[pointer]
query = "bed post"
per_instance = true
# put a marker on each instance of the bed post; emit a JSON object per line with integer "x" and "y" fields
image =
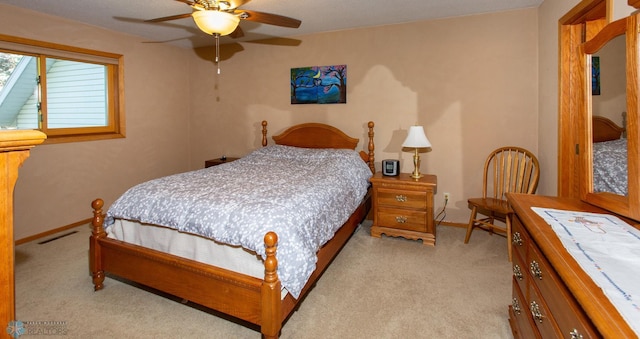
{"x": 97, "y": 232}
{"x": 371, "y": 148}
{"x": 264, "y": 133}
{"x": 271, "y": 303}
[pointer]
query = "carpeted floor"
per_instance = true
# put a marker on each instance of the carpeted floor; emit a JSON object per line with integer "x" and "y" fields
{"x": 376, "y": 288}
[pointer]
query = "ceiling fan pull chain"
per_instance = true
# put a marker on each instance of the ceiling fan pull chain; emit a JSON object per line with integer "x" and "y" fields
{"x": 217, "y": 51}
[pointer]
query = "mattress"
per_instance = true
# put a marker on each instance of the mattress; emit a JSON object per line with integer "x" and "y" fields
{"x": 189, "y": 246}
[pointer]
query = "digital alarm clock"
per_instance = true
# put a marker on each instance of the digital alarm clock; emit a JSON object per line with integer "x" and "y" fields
{"x": 390, "y": 167}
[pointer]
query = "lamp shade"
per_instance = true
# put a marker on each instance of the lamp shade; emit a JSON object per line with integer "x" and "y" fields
{"x": 212, "y": 21}
{"x": 416, "y": 138}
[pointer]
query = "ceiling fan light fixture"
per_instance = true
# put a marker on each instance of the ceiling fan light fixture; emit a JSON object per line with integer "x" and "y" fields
{"x": 216, "y": 22}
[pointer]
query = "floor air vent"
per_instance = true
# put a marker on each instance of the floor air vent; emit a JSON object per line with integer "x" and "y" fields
{"x": 56, "y": 238}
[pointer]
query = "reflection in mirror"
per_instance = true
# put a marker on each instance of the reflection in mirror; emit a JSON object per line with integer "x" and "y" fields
{"x": 609, "y": 105}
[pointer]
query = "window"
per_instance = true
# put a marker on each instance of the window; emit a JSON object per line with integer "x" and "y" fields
{"x": 69, "y": 93}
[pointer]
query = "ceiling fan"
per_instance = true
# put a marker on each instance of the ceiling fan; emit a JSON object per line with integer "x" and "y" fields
{"x": 222, "y": 17}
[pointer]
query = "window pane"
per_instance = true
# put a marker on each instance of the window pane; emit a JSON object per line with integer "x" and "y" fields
{"x": 76, "y": 94}
{"x": 18, "y": 91}
{"x": 69, "y": 93}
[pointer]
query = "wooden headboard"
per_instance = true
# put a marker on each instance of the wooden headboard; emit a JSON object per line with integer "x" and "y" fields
{"x": 317, "y": 135}
{"x": 604, "y": 129}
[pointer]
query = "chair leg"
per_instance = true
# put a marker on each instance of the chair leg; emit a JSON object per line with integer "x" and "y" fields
{"x": 474, "y": 213}
{"x": 509, "y": 245}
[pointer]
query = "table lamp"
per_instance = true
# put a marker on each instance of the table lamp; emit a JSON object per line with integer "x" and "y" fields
{"x": 416, "y": 139}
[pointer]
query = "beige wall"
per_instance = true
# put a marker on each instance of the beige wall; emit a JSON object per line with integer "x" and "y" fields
{"x": 58, "y": 182}
{"x": 472, "y": 82}
{"x": 612, "y": 100}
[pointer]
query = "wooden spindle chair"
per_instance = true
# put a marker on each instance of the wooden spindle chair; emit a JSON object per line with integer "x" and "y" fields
{"x": 506, "y": 170}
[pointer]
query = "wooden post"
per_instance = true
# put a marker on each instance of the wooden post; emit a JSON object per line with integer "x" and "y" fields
{"x": 271, "y": 303}
{"x": 97, "y": 232}
{"x": 264, "y": 133}
{"x": 371, "y": 148}
{"x": 14, "y": 150}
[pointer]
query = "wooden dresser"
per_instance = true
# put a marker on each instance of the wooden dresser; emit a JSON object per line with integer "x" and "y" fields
{"x": 552, "y": 296}
{"x": 403, "y": 207}
{"x": 14, "y": 150}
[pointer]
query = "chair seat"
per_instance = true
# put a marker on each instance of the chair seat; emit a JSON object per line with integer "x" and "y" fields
{"x": 498, "y": 206}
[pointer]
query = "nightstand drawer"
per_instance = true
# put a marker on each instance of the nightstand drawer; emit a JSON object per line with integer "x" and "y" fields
{"x": 404, "y": 199}
{"x": 402, "y": 219}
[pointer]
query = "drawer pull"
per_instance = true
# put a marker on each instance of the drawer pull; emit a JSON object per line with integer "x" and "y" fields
{"x": 516, "y": 239}
{"x": 575, "y": 334}
{"x": 517, "y": 272}
{"x": 535, "y": 311}
{"x": 534, "y": 267}
{"x": 401, "y": 220}
{"x": 401, "y": 198}
{"x": 516, "y": 306}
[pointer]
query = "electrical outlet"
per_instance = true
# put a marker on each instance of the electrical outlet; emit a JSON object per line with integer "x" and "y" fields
{"x": 446, "y": 196}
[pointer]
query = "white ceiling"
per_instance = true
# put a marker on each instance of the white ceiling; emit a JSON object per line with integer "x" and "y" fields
{"x": 317, "y": 16}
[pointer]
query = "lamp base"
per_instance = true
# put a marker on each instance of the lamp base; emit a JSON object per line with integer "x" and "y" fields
{"x": 416, "y": 166}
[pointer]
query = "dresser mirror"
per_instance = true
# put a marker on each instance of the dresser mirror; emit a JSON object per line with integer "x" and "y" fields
{"x": 609, "y": 166}
{"x": 612, "y": 183}
{"x": 585, "y": 33}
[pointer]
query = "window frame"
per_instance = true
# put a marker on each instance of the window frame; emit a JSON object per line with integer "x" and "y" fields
{"x": 114, "y": 64}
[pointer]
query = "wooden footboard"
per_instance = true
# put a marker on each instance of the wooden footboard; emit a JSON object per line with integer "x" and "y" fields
{"x": 244, "y": 297}
{"x": 250, "y": 299}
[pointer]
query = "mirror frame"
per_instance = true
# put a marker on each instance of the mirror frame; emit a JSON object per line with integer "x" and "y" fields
{"x": 583, "y": 31}
{"x": 615, "y": 203}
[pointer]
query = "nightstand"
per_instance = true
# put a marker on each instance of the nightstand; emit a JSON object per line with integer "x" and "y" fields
{"x": 403, "y": 207}
{"x": 218, "y": 161}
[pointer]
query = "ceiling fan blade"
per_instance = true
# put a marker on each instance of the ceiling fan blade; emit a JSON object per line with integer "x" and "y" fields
{"x": 268, "y": 18}
{"x": 238, "y": 33}
{"x": 168, "y": 18}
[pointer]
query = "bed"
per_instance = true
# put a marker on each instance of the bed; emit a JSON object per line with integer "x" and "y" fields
{"x": 609, "y": 156}
{"x": 262, "y": 300}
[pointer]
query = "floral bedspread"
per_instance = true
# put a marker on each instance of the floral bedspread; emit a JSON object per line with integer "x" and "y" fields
{"x": 304, "y": 195}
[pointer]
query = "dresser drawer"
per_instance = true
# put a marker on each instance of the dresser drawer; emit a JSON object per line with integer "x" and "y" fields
{"x": 403, "y": 199}
{"x": 519, "y": 268}
{"x": 568, "y": 315}
{"x": 402, "y": 219}
{"x": 519, "y": 238}
{"x": 541, "y": 314}
{"x": 520, "y": 317}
